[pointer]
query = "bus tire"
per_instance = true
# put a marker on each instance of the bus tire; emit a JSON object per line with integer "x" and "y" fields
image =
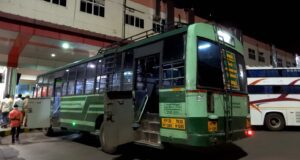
{"x": 98, "y": 121}
{"x": 105, "y": 146}
{"x": 274, "y": 122}
{"x": 48, "y": 131}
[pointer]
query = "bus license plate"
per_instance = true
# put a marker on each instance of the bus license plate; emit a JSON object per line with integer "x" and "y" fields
{"x": 176, "y": 123}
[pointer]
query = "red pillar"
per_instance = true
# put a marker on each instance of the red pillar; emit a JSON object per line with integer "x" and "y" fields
{"x": 21, "y": 41}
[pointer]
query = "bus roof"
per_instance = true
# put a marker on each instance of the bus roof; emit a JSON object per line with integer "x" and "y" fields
{"x": 133, "y": 44}
{"x": 122, "y": 48}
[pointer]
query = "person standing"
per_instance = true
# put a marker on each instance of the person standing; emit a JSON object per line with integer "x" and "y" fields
{"x": 15, "y": 117}
{"x": 5, "y": 108}
{"x": 19, "y": 101}
{"x": 25, "y": 110}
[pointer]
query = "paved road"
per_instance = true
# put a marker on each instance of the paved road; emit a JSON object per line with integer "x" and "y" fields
{"x": 263, "y": 146}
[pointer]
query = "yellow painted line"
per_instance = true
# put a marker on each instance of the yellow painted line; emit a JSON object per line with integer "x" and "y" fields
{"x": 26, "y": 130}
{"x": 7, "y": 132}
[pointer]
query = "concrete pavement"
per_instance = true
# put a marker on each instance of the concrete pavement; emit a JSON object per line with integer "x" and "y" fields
{"x": 36, "y": 146}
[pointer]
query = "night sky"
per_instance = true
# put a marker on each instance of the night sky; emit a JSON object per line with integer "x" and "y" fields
{"x": 274, "y": 23}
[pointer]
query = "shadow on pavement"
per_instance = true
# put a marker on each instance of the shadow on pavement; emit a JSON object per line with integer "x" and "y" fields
{"x": 87, "y": 139}
{"x": 225, "y": 152}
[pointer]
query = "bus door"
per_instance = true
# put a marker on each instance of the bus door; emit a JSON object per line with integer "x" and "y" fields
{"x": 116, "y": 128}
{"x": 231, "y": 84}
{"x": 227, "y": 115}
{"x": 146, "y": 86}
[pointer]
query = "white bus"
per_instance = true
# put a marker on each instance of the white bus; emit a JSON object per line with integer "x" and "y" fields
{"x": 274, "y": 97}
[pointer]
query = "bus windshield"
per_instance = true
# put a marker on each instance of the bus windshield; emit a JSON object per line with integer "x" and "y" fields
{"x": 209, "y": 69}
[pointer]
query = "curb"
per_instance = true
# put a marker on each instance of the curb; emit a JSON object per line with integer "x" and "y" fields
{"x": 7, "y": 132}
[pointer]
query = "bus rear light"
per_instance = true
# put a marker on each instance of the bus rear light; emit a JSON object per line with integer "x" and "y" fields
{"x": 249, "y": 132}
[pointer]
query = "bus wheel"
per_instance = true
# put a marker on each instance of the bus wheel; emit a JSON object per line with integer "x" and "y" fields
{"x": 104, "y": 140}
{"x": 274, "y": 122}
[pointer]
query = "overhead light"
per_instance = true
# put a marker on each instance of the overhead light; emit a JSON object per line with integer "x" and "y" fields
{"x": 53, "y": 54}
{"x": 65, "y": 45}
{"x": 67, "y": 70}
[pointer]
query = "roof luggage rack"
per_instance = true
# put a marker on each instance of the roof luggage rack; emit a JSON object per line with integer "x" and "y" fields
{"x": 140, "y": 36}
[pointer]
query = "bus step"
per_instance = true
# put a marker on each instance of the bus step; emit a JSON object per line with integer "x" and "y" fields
{"x": 152, "y": 116}
{"x": 150, "y": 136}
{"x": 150, "y": 132}
{"x": 150, "y": 125}
{"x": 150, "y": 144}
{"x": 154, "y": 122}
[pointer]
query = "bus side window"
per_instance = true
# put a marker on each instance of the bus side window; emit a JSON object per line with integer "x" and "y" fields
{"x": 114, "y": 81}
{"x": 127, "y": 71}
{"x": 65, "y": 82}
{"x": 44, "y": 87}
{"x": 278, "y": 89}
{"x": 173, "y": 75}
{"x": 39, "y": 87}
{"x": 50, "y": 86}
{"x": 71, "y": 81}
{"x": 90, "y": 77}
{"x": 80, "y": 79}
{"x": 101, "y": 76}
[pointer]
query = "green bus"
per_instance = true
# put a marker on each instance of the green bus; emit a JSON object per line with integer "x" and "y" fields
{"x": 186, "y": 86}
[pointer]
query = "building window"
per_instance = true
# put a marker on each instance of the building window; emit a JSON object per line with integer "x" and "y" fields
{"x": 134, "y": 21}
{"x": 261, "y": 57}
{"x": 159, "y": 26}
{"x": 58, "y": 2}
{"x": 95, "y": 7}
{"x": 279, "y": 62}
{"x": 251, "y": 53}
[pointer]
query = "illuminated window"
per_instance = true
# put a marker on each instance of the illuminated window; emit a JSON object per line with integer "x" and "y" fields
{"x": 95, "y": 7}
